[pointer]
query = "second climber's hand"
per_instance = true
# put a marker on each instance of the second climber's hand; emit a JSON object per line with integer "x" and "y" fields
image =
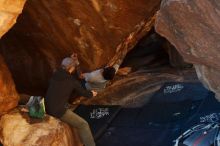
{"x": 94, "y": 93}
{"x": 73, "y": 55}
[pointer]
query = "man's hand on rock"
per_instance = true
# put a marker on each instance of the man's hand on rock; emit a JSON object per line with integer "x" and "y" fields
{"x": 94, "y": 93}
{"x": 74, "y": 55}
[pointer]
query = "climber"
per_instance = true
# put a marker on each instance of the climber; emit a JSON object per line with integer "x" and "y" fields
{"x": 63, "y": 83}
{"x": 98, "y": 79}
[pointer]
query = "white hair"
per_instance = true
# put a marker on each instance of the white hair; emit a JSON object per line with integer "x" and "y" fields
{"x": 67, "y": 63}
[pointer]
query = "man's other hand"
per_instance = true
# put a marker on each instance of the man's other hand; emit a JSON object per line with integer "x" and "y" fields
{"x": 75, "y": 58}
{"x": 94, "y": 93}
{"x": 74, "y": 55}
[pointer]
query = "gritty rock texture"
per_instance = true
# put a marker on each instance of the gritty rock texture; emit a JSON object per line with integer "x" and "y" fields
{"x": 9, "y": 11}
{"x": 8, "y": 94}
{"x": 101, "y": 32}
{"x": 17, "y": 129}
{"x": 175, "y": 58}
{"x": 137, "y": 88}
{"x": 192, "y": 26}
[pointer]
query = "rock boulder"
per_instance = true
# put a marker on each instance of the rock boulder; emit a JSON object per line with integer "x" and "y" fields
{"x": 192, "y": 26}
{"x": 8, "y": 94}
{"x": 99, "y": 31}
{"x": 17, "y": 129}
{"x": 9, "y": 11}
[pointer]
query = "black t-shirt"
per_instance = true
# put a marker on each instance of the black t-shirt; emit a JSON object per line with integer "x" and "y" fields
{"x": 62, "y": 85}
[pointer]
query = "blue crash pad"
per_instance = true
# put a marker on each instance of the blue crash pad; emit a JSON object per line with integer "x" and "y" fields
{"x": 173, "y": 109}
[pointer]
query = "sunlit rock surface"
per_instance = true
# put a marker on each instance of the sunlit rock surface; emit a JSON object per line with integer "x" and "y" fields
{"x": 9, "y": 11}
{"x": 8, "y": 95}
{"x": 192, "y": 26}
{"x": 49, "y": 30}
{"x": 17, "y": 129}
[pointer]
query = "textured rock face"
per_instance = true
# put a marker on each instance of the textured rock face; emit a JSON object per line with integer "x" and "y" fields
{"x": 49, "y": 30}
{"x": 175, "y": 59}
{"x": 16, "y": 129}
{"x": 137, "y": 88}
{"x": 9, "y": 11}
{"x": 8, "y": 95}
{"x": 193, "y": 27}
